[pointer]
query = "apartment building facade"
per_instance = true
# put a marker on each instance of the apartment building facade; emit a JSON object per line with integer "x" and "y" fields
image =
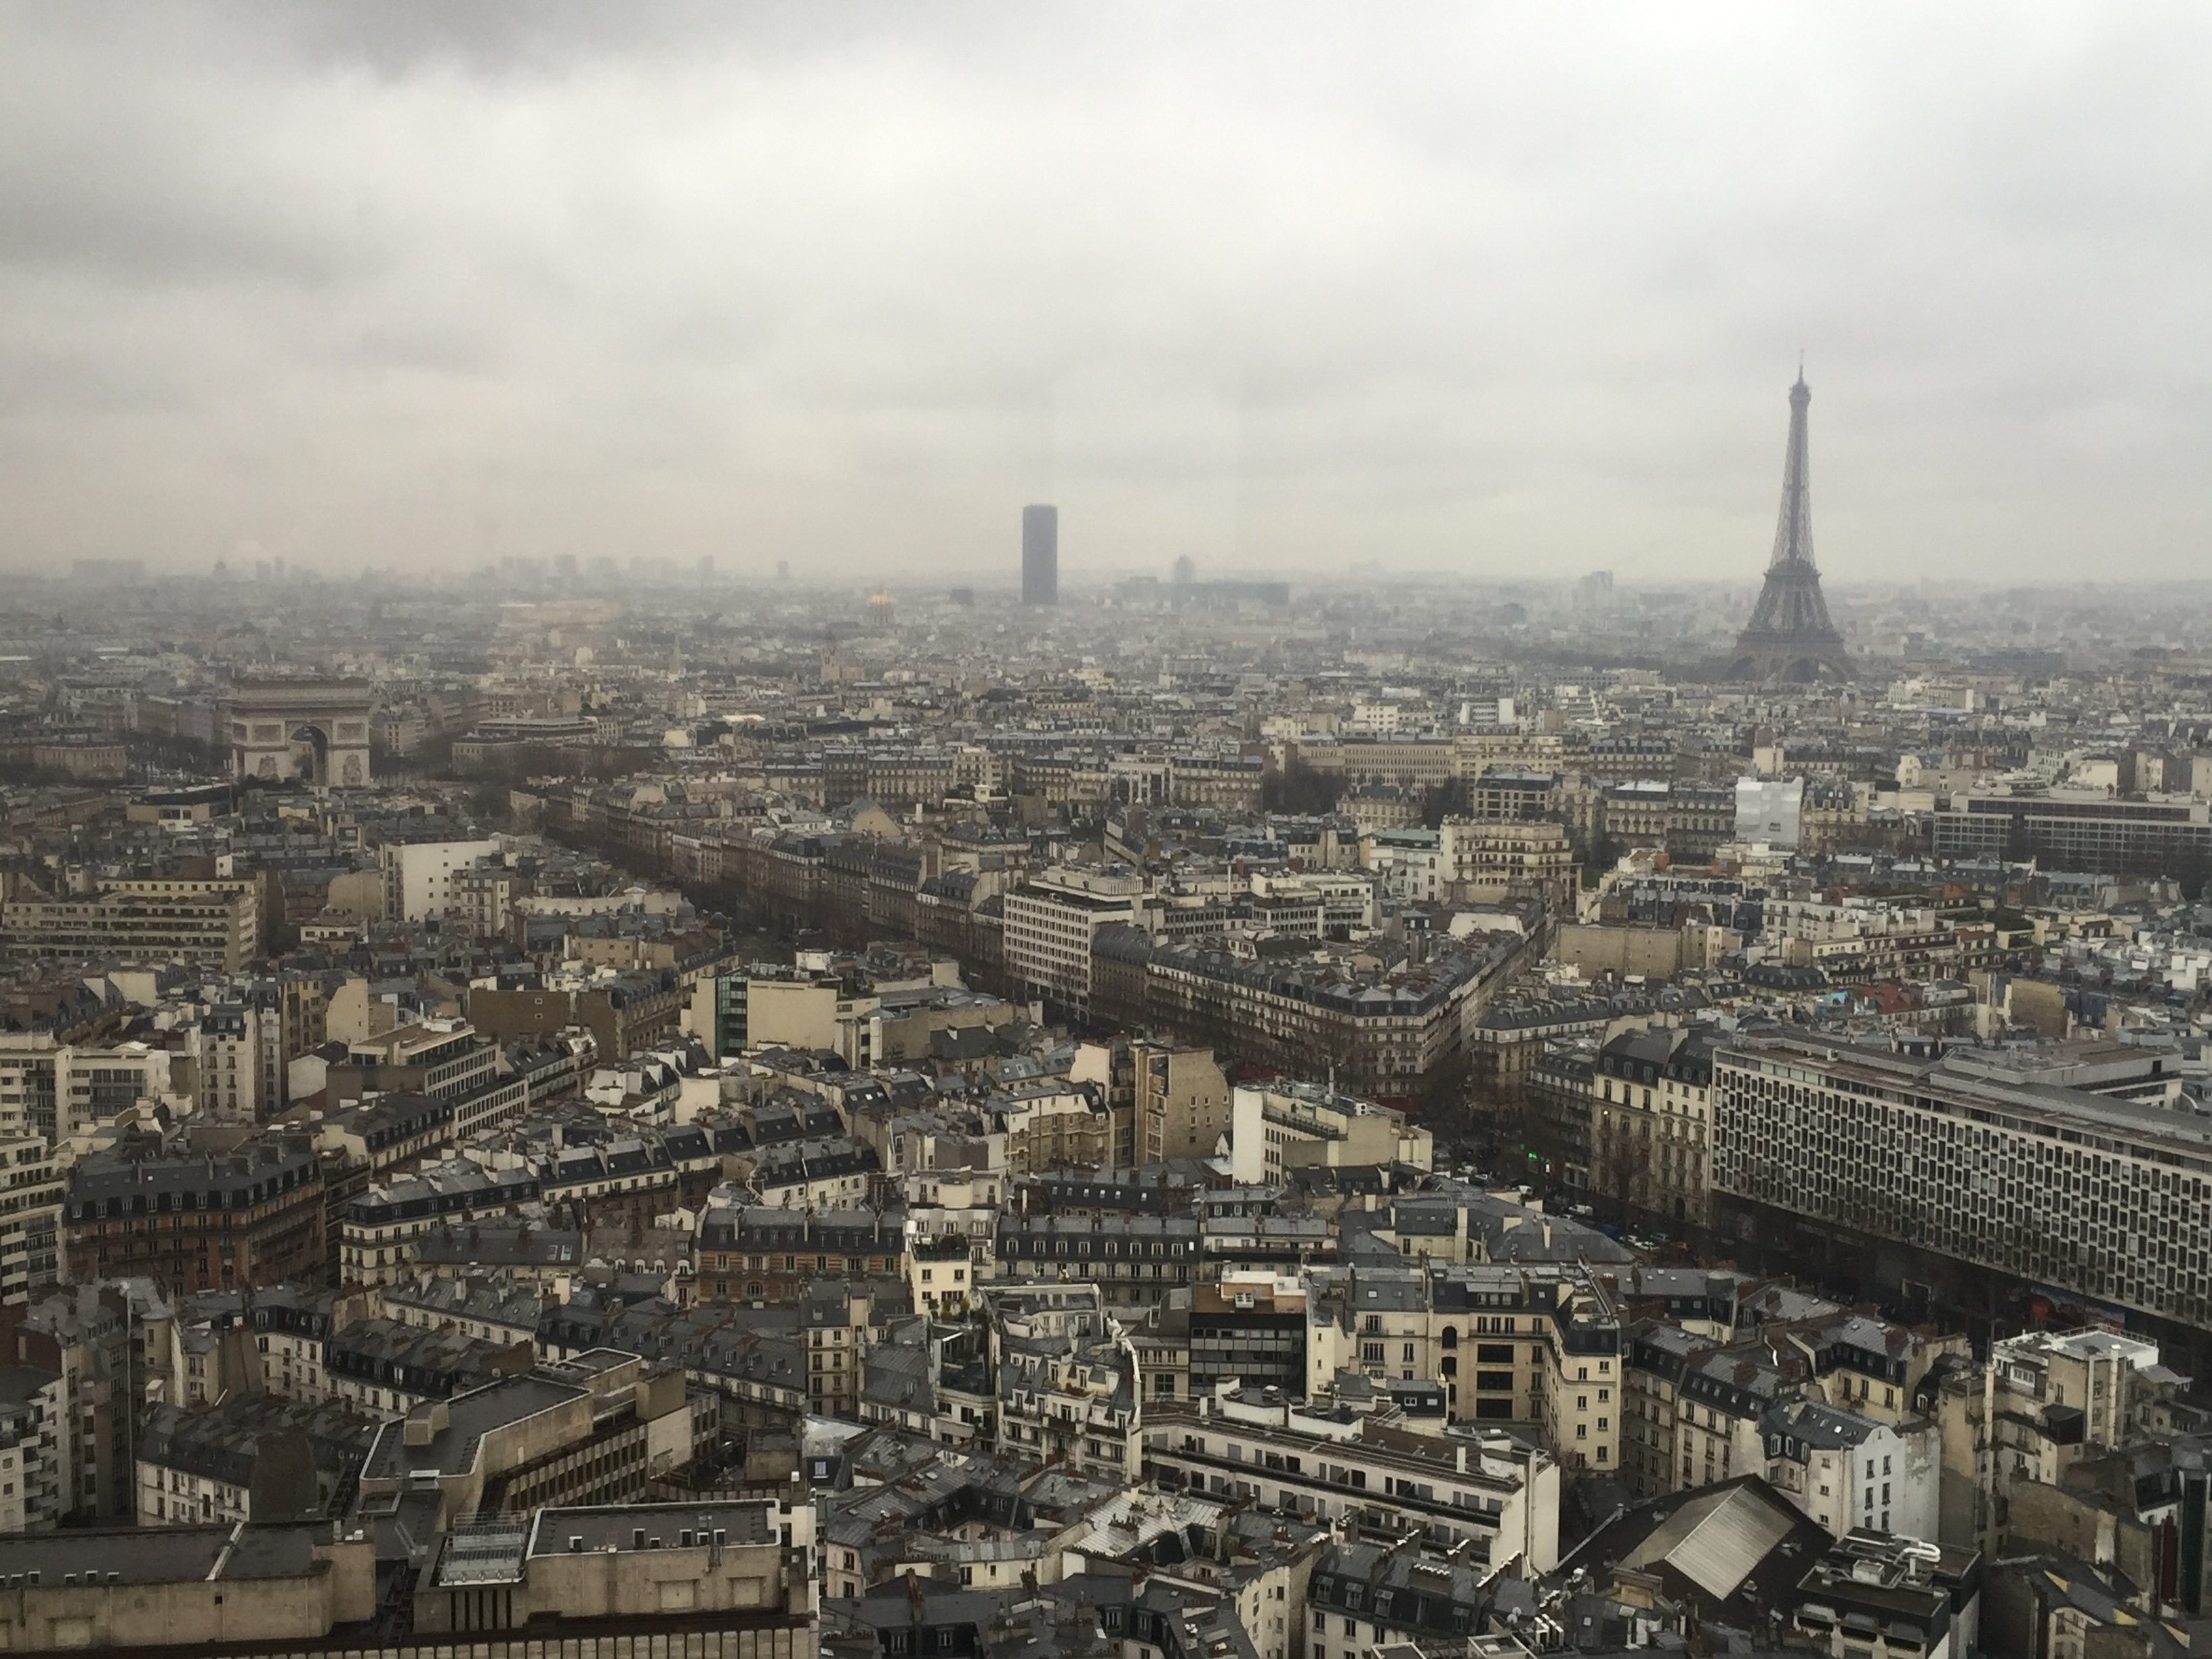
{"x": 1052, "y": 920}
{"x": 1180, "y": 1100}
{"x": 1537, "y": 1347}
{"x": 1496, "y": 1494}
{"x": 1651, "y": 1133}
{"x": 196, "y": 1224}
{"x": 30, "y": 1217}
{"x": 209, "y": 924}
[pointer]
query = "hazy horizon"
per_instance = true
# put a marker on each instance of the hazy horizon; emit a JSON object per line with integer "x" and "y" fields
{"x": 1508, "y": 294}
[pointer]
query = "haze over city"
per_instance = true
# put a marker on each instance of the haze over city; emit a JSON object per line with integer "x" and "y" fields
{"x": 1107, "y": 831}
{"x": 1492, "y": 292}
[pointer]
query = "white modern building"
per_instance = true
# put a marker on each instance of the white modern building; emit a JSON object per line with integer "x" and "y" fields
{"x": 1052, "y": 919}
{"x": 1769, "y": 811}
{"x": 1846, "y": 1470}
{"x": 56, "y": 1089}
{"x": 30, "y": 1217}
{"x": 1286, "y": 1126}
{"x": 1498, "y": 1492}
{"x": 418, "y": 876}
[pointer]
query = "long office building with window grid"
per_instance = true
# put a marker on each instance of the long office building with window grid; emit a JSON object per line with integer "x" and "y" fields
{"x": 209, "y": 924}
{"x": 1981, "y": 1159}
{"x": 2077, "y": 831}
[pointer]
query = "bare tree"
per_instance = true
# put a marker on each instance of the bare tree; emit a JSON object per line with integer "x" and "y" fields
{"x": 1620, "y": 1161}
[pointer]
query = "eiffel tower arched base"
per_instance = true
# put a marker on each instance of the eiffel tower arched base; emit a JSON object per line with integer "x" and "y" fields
{"x": 1791, "y": 662}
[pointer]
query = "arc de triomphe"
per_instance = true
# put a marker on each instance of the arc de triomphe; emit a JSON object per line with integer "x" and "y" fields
{"x": 313, "y": 730}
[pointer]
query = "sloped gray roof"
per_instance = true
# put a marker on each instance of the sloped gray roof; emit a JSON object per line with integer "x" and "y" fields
{"x": 1718, "y": 1540}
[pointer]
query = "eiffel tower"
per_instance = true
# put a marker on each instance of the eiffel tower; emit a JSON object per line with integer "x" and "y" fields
{"x": 1789, "y": 639}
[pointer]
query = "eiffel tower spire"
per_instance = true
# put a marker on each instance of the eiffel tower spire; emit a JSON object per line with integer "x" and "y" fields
{"x": 1793, "y": 535}
{"x": 1790, "y": 637}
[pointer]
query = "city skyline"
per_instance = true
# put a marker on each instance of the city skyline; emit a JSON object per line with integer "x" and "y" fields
{"x": 639, "y": 1014}
{"x": 385, "y": 288}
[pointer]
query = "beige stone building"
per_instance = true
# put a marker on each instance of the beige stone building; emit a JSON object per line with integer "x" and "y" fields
{"x": 1052, "y": 1126}
{"x": 1651, "y": 1125}
{"x": 2043, "y": 1401}
{"x": 576, "y": 1565}
{"x": 1491, "y": 862}
{"x": 1183, "y": 1108}
{"x": 202, "y": 1587}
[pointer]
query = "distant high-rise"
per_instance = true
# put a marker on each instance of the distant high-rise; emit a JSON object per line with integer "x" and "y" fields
{"x": 1186, "y": 570}
{"x": 1789, "y": 638}
{"x": 1040, "y": 556}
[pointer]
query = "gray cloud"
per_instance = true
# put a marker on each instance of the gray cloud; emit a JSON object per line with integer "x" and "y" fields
{"x": 1498, "y": 291}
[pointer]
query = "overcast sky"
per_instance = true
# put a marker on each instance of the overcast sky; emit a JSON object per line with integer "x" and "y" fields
{"x": 1509, "y": 291}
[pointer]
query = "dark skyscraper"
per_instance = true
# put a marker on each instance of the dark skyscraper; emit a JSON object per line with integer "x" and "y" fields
{"x": 1040, "y": 556}
{"x": 1790, "y": 637}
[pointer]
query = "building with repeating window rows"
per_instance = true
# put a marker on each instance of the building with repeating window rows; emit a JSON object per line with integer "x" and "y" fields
{"x": 2077, "y": 831}
{"x": 196, "y": 1224}
{"x": 1133, "y": 1259}
{"x": 30, "y": 1214}
{"x": 1973, "y": 1160}
{"x": 762, "y": 1256}
{"x": 214, "y": 924}
{"x": 1494, "y": 1493}
{"x": 1367, "y": 1596}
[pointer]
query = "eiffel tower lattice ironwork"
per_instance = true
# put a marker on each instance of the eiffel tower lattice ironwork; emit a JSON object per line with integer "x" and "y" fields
{"x": 1789, "y": 638}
